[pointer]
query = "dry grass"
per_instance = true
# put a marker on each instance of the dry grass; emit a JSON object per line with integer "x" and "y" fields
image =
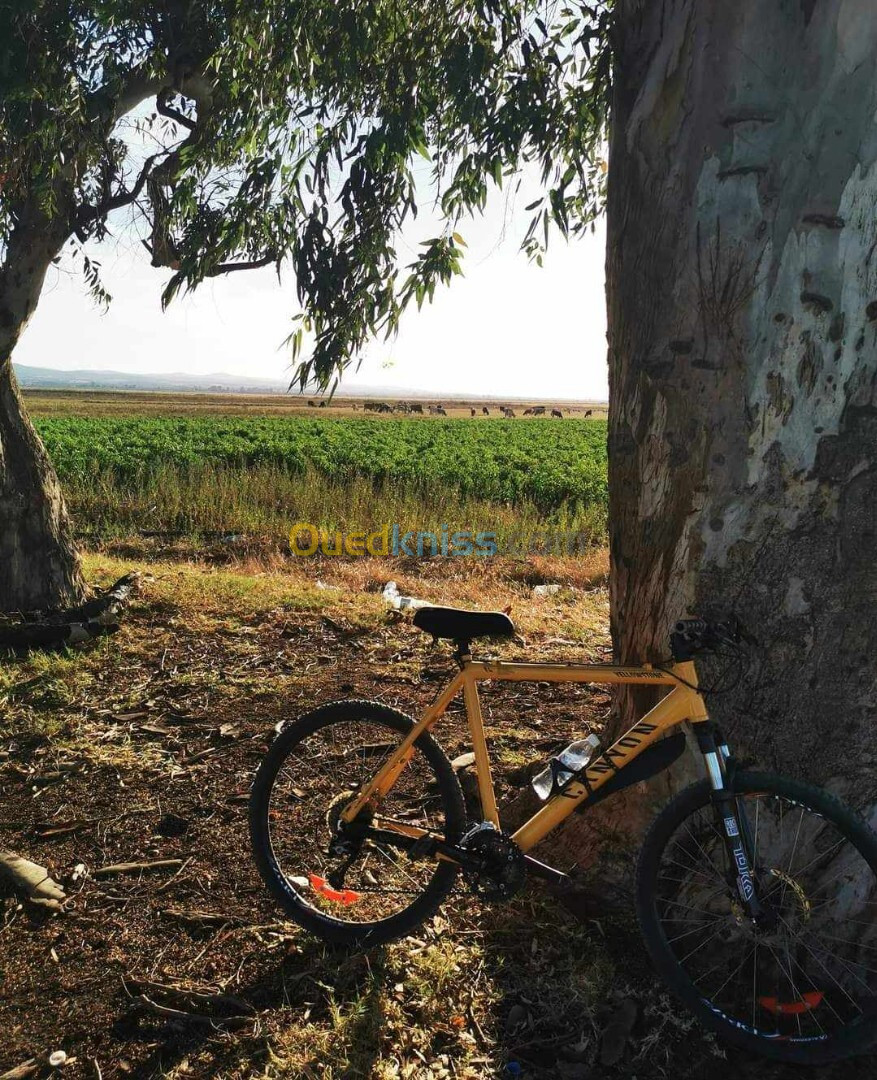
{"x": 265, "y": 500}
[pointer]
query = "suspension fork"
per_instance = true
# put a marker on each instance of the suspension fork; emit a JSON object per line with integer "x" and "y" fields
{"x": 731, "y": 816}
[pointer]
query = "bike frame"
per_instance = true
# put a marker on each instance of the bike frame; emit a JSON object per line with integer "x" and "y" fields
{"x": 683, "y": 703}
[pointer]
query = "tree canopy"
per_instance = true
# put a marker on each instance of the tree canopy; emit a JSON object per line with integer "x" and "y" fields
{"x": 286, "y": 133}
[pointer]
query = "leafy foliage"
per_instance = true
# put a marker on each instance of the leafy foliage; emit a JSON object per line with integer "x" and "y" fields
{"x": 546, "y": 463}
{"x": 287, "y": 133}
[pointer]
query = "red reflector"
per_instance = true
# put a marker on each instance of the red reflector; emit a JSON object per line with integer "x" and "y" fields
{"x": 792, "y": 1008}
{"x": 324, "y": 889}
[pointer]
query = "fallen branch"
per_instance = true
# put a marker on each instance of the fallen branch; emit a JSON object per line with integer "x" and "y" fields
{"x": 189, "y": 1003}
{"x": 137, "y": 867}
{"x": 32, "y": 880}
{"x": 193, "y": 1017}
{"x": 27, "y": 1068}
{"x": 83, "y": 623}
{"x": 187, "y": 995}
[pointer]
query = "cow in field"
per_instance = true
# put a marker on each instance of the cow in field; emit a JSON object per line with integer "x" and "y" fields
{"x": 485, "y": 411}
{"x": 528, "y": 412}
{"x": 538, "y": 410}
{"x": 311, "y": 405}
{"x": 439, "y": 409}
{"x": 588, "y": 412}
{"x": 508, "y": 413}
{"x": 417, "y": 408}
{"x": 557, "y": 413}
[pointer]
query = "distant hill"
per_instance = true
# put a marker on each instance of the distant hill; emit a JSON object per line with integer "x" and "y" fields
{"x": 35, "y": 378}
{"x": 38, "y": 378}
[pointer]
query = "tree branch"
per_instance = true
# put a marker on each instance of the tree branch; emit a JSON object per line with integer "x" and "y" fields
{"x": 110, "y": 104}
{"x": 173, "y": 114}
{"x": 86, "y": 214}
{"x": 227, "y": 268}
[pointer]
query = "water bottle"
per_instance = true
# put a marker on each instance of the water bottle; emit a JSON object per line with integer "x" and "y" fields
{"x": 561, "y": 769}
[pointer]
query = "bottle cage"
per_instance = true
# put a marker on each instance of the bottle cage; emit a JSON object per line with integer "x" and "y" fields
{"x": 557, "y": 767}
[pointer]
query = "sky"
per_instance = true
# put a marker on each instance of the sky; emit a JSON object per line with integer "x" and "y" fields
{"x": 508, "y": 327}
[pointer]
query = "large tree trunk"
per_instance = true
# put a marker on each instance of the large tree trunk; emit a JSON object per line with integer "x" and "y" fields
{"x": 39, "y": 567}
{"x": 742, "y": 290}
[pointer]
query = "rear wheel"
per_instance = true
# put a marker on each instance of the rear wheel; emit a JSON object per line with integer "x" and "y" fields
{"x": 803, "y": 986}
{"x": 375, "y": 892}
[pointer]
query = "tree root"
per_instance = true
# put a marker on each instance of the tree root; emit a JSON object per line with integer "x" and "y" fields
{"x": 84, "y": 623}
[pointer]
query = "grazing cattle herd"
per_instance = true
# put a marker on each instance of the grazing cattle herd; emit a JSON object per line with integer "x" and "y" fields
{"x": 415, "y": 408}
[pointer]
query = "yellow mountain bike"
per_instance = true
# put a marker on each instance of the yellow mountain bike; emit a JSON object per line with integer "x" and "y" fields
{"x": 755, "y": 893}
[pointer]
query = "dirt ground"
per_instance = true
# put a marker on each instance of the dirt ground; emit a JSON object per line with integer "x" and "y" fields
{"x": 142, "y": 746}
{"x": 152, "y": 403}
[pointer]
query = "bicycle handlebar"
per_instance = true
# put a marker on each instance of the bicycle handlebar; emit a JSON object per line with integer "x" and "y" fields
{"x": 691, "y": 636}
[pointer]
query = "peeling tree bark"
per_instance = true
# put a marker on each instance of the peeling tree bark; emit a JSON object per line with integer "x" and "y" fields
{"x": 39, "y": 567}
{"x": 742, "y": 293}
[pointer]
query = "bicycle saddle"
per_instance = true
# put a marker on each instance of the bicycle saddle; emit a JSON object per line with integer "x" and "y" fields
{"x": 460, "y": 625}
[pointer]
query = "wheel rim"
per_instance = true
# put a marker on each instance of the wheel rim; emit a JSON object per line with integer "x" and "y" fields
{"x": 808, "y": 975}
{"x": 311, "y": 787}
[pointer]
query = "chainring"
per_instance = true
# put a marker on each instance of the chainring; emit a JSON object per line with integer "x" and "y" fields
{"x": 496, "y": 868}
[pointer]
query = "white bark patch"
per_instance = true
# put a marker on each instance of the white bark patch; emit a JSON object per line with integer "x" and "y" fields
{"x": 661, "y": 69}
{"x": 856, "y": 33}
{"x": 795, "y": 602}
{"x": 654, "y": 456}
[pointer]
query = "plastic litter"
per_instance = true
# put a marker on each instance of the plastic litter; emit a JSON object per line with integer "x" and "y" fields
{"x": 393, "y": 597}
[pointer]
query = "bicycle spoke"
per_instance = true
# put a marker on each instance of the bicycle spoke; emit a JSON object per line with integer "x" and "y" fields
{"x": 715, "y": 993}
{"x": 810, "y": 984}
{"x": 375, "y": 879}
{"x": 825, "y": 969}
{"x": 700, "y": 946}
{"x": 688, "y": 907}
{"x": 715, "y": 869}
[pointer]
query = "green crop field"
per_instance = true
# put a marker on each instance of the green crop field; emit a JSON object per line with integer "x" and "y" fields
{"x": 193, "y": 474}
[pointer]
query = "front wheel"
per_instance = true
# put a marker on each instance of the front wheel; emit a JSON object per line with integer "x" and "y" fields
{"x": 372, "y": 891}
{"x": 802, "y": 985}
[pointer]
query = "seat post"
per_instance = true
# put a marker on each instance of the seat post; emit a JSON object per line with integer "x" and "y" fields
{"x": 462, "y": 652}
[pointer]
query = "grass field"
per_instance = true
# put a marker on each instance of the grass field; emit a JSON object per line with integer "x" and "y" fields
{"x": 207, "y": 474}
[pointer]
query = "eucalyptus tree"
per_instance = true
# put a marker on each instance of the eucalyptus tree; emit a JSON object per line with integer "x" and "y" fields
{"x": 742, "y": 291}
{"x": 280, "y": 133}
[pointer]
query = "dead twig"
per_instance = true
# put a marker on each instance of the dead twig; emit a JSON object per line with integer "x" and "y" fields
{"x": 202, "y": 918}
{"x": 187, "y": 995}
{"x": 137, "y": 867}
{"x": 167, "y": 884}
{"x": 189, "y": 1003}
